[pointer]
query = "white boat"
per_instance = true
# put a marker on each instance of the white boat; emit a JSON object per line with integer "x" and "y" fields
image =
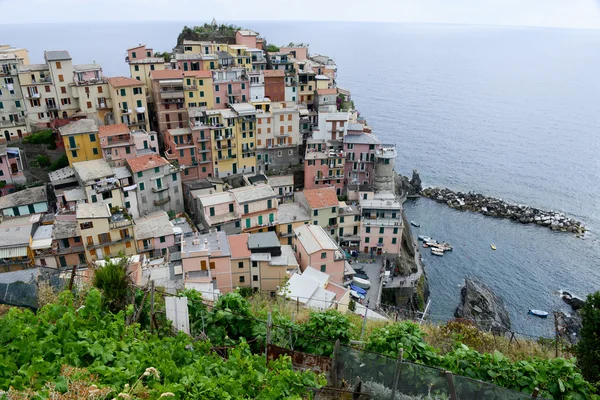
{"x": 356, "y": 295}
{"x": 413, "y": 223}
{"x": 424, "y": 238}
{"x": 362, "y": 283}
{"x": 538, "y": 313}
{"x": 437, "y": 252}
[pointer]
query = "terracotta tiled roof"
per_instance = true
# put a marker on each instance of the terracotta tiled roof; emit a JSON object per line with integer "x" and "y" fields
{"x": 122, "y": 81}
{"x": 110, "y": 130}
{"x": 166, "y": 74}
{"x": 146, "y": 162}
{"x": 239, "y": 245}
{"x": 273, "y": 73}
{"x": 322, "y": 92}
{"x": 198, "y": 74}
{"x": 321, "y": 198}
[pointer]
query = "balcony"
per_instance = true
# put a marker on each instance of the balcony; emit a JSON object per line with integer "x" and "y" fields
{"x": 225, "y": 146}
{"x": 124, "y": 239}
{"x": 52, "y": 106}
{"x": 32, "y": 95}
{"x": 103, "y": 106}
{"x": 160, "y": 189}
{"x": 226, "y": 157}
{"x": 135, "y": 123}
{"x": 162, "y": 202}
{"x": 41, "y": 81}
{"x": 329, "y": 177}
{"x": 68, "y": 250}
{"x": 202, "y": 139}
{"x": 208, "y": 160}
{"x": 190, "y": 87}
{"x": 171, "y": 95}
{"x": 76, "y": 147}
{"x": 382, "y": 222}
{"x": 203, "y": 150}
{"x": 230, "y": 136}
{"x": 120, "y": 224}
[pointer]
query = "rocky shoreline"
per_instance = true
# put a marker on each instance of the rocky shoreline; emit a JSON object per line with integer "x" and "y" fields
{"x": 498, "y": 208}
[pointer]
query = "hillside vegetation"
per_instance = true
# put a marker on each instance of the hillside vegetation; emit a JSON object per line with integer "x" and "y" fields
{"x": 83, "y": 333}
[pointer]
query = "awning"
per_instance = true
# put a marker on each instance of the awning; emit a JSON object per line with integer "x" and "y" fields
{"x": 13, "y": 252}
{"x": 140, "y": 109}
{"x": 128, "y": 188}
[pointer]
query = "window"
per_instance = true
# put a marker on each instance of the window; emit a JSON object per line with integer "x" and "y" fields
{"x": 212, "y": 211}
{"x": 157, "y": 169}
{"x": 190, "y": 95}
{"x": 255, "y": 278}
{"x": 217, "y": 100}
{"x": 380, "y": 240}
{"x": 94, "y": 198}
{"x": 63, "y": 90}
{"x": 216, "y": 88}
{"x": 242, "y": 279}
{"x": 151, "y": 67}
{"x": 95, "y": 151}
{"x": 122, "y": 92}
{"x": 74, "y": 153}
{"x": 230, "y": 207}
{"x": 163, "y": 239}
{"x": 269, "y": 203}
{"x": 92, "y": 137}
{"x": 86, "y": 225}
{"x": 381, "y": 230}
{"x": 395, "y": 231}
{"x": 140, "y": 174}
{"x": 201, "y": 94}
{"x": 246, "y": 210}
{"x": 142, "y": 186}
{"x": 323, "y": 255}
{"x": 394, "y": 240}
{"x": 323, "y": 268}
{"x": 368, "y": 229}
{"x": 315, "y": 213}
{"x": 212, "y": 265}
{"x": 61, "y": 78}
{"x": 367, "y": 240}
{"x": 127, "y": 150}
{"x": 136, "y": 68}
{"x": 247, "y": 222}
{"x": 333, "y": 209}
{"x": 139, "y": 103}
{"x": 58, "y": 65}
{"x": 240, "y": 264}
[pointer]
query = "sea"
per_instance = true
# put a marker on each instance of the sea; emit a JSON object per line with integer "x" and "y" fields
{"x": 511, "y": 112}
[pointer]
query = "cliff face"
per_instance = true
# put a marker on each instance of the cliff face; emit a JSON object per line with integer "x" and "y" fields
{"x": 408, "y": 187}
{"x": 479, "y": 303}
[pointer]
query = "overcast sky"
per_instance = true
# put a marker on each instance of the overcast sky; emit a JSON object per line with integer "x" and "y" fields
{"x": 551, "y": 13}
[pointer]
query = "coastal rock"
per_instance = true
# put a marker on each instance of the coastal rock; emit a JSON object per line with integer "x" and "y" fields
{"x": 569, "y": 326}
{"x": 480, "y": 304}
{"x": 493, "y": 207}
{"x": 406, "y": 187}
{"x": 415, "y": 182}
{"x": 575, "y": 302}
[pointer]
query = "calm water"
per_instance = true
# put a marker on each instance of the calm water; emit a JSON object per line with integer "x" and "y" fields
{"x": 510, "y": 112}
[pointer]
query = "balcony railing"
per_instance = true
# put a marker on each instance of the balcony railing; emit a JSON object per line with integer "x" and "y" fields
{"x": 225, "y": 137}
{"x": 139, "y": 122}
{"x": 171, "y": 95}
{"x": 190, "y": 87}
{"x": 110, "y": 243}
{"x": 202, "y": 139}
{"x": 51, "y": 106}
{"x": 160, "y": 189}
{"x": 382, "y": 222}
{"x": 205, "y": 161}
{"x": 162, "y": 202}
{"x": 226, "y": 157}
{"x": 68, "y": 250}
{"x": 323, "y": 177}
{"x": 225, "y": 146}
{"x": 120, "y": 224}
{"x": 32, "y": 95}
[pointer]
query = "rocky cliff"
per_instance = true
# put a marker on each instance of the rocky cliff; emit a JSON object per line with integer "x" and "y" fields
{"x": 408, "y": 187}
{"x": 480, "y": 304}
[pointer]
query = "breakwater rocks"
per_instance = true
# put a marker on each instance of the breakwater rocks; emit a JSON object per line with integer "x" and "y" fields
{"x": 493, "y": 207}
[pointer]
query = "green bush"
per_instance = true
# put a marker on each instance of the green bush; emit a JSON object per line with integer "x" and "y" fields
{"x": 33, "y": 347}
{"x": 62, "y": 162}
{"x": 272, "y": 48}
{"x": 42, "y": 137}
{"x": 407, "y": 335}
{"x": 588, "y": 348}
{"x": 329, "y": 325}
{"x": 114, "y": 282}
{"x": 43, "y": 161}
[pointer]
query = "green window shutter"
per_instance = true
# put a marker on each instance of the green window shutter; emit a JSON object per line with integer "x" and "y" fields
{"x": 156, "y": 170}
{"x": 174, "y": 176}
{"x": 231, "y": 208}
{"x": 247, "y": 222}
{"x": 269, "y": 203}
{"x": 260, "y": 220}
{"x": 136, "y": 68}
{"x": 367, "y": 240}
{"x": 94, "y": 198}
{"x": 72, "y": 142}
{"x": 92, "y": 137}
{"x": 1, "y": 105}
{"x": 201, "y": 94}
{"x": 142, "y": 187}
{"x": 271, "y": 217}
{"x": 185, "y": 66}
{"x": 245, "y": 208}
{"x": 139, "y": 103}
{"x": 191, "y": 94}
{"x": 95, "y": 151}
{"x": 140, "y": 174}
{"x": 133, "y": 54}
{"x": 189, "y": 82}
{"x": 122, "y": 92}
{"x": 212, "y": 211}
{"x": 128, "y": 150}
{"x": 17, "y": 103}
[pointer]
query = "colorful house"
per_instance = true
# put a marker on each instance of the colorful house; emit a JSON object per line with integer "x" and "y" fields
{"x": 315, "y": 248}
{"x": 381, "y": 224}
{"x": 81, "y": 141}
{"x": 129, "y": 102}
{"x": 117, "y": 144}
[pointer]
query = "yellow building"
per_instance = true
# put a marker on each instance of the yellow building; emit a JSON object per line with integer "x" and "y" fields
{"x": 104, "y": 234}
{"x": 81, "y": 141}
{"x": 245, "y": 131}
{"x": 141, "y": 62}
{"x": 129, "y": 102}
{"x": 241, "y": 56}
{"x": 198, "y": 88}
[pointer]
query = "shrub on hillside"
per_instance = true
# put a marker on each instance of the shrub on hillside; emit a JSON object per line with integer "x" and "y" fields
{"x": 588, "y": 348}
{"x": 62, "y": 162}
{"x": 42, "y": 137}
{"x": 329, "y": 325}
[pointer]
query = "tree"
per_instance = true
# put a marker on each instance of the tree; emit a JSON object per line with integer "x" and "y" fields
{"x": 588, "y": 348}
{"x": 115, "y": 283}
{"x": 272, "y": 48}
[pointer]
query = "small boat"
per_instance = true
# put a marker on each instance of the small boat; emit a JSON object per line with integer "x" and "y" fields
{"x": 493, "y": 246}
{"x": 437, "y": 252}
{"x": 424, "y": 238}
{"x": 361, "y": 283}
{"x": 425, "y": 245}
{"x": 358, "y": 290}
{"x": 538, "y": 313}
{"x": 356, "y": 295}
{"x": 413, "y": 223}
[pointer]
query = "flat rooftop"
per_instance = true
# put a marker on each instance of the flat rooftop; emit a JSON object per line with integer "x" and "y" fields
{"x": 291, "y": 212}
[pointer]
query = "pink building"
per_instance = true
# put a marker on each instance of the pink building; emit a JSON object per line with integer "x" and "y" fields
{"x": 219, "y": 211}
{"x": 360, "y": 148}
{"x": 154, "y": 235}
{"x": 167, "y": 90}
{"x": 381, "y": 224}
{"x": 246, "y": 37}
{"x": 11, "y": 165}
{"x": 315, "y": 248}
{"x": 257, "y": 207}
{"x": 206, "y": 263}
{"x": 299, "y": 53}
{"x": 230, "y": 86}
{"x": 324, "y": 165}
{"x": 117, "y": 144}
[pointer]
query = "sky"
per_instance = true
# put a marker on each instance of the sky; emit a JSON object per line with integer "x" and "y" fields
{"x": 581, "y": 14}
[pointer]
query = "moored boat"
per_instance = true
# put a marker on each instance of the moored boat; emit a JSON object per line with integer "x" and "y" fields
{"x": 423, "y": 238}
{"x": 493, "y": 246}
{"x": 413, "y": 223}
{"x": 437, "y": 252}
{"x": 356, "y": 295}
{"x": 361, "y": 283}
{"x": 538, "y": 313}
